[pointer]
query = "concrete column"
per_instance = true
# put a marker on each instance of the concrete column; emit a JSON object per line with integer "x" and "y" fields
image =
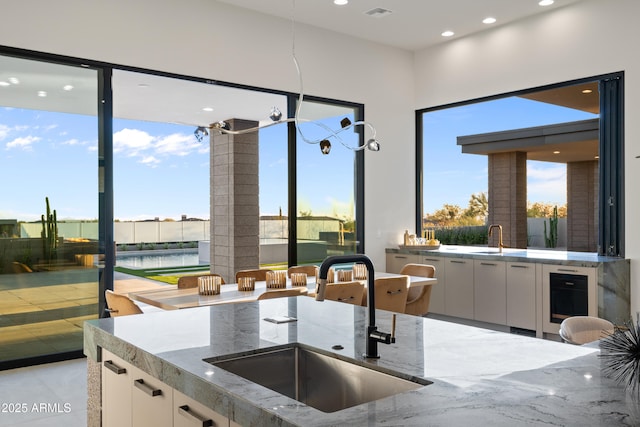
{"x": 508, "y": 197}
{"x": 235, "y": 213}
{"x": 582, "y": 206}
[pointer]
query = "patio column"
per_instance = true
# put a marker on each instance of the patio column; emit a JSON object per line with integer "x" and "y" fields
{"x": 234, "y": 207}
{"x": 508, "y": 197}
{"x": 582, "y": 206}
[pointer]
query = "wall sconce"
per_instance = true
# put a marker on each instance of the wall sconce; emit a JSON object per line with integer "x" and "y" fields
{"x": 325, "y": 146}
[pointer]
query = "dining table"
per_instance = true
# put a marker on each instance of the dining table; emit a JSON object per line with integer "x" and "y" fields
{"x": 176, "y": 299}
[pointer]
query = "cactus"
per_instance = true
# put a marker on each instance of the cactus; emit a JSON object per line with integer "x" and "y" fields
{"x": 49, "y": 233}
{"x": 551, "y": 240}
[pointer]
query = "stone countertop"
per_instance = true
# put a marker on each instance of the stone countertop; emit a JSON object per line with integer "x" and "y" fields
{"x": 548, "y": 256}
{"x": 480, "y": 377}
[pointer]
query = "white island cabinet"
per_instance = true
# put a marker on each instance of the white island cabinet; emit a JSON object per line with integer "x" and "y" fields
{"x": 116, "y": 391}
{"x": 133, "y": 398}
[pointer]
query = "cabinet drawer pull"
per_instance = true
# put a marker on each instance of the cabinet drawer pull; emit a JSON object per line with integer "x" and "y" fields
{"x": 399, "y": 291}
{"x": 431, "y": 259}
{"x": 488, "y": 263}
{"x": 399, "y": 256}
{"x": 519, "y": 266}
{"x": 153, "y": 392}
{"x": 114, "y": 368}
{"x": 184, "y": 410}
{"x": 455, "y": 261}
{"x": 570, "y": 270}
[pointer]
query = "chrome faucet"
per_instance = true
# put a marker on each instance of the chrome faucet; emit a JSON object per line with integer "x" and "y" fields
{"x": 499, "y": 227}
{"x": 373, "y": 335}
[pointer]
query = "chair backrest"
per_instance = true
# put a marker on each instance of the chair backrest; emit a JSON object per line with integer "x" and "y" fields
{"x": 120, "y": 305}
{"x": 419, "y": 297}
{"x": 185, "y": 282}
{"x": 309, "y": 270}
{"x": 584, "y": 329}
{"x": 260, "y": 274}
{"x": 391, "y": 293}
{"x": 348, "y": 292}
{"x": 281, "y": 293}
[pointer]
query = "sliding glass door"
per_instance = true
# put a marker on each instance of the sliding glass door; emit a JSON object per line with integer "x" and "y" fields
{"x": 49, "y": 206}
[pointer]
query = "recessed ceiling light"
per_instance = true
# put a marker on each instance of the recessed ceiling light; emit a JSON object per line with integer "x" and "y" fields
{"x": 67, "y": 87}
{"x": 207, "y": 109}
{"x": 14, "y": 80}
{"x": 545, "y": 2}
{"x": 447, "y": 33}
{"x": 2, "y": 83}
{"x": 556, "y": 152}
{"x": 489, "y": 20}
{"x": 340, "y": 2}
{"x": 42, "y": 93}
{"x": 587, "y": 91}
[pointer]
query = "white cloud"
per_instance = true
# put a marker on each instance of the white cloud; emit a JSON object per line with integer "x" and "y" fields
{"x": 177, "y": 145}
{"x": 547, "y": 184}
{"x": 4, "y": 131}
{"x": 149, "y": 160}
{"x": 24, "y": 143}
{"x": 131, "y": 142}
{"x": 71, "y": 142}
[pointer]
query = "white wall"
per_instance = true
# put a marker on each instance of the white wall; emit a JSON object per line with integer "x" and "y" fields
{"x": 586, "y": 39}
{"x": 207, "y": 39}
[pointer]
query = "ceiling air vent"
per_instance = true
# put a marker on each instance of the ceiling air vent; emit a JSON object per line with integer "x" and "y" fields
{"x": 378, "y": 12}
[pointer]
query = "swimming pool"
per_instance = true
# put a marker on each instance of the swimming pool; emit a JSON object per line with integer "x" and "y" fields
{"x": 157, "y": 259}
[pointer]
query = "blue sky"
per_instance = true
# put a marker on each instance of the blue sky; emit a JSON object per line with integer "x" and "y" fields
{"x": 451, "y": 177}
{"x": 160, "y": 170}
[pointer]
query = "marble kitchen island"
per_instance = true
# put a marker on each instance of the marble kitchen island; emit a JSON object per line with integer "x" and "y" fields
{"x": 480, "y": 377}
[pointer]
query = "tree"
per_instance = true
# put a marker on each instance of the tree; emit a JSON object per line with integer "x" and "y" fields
{"x": 478, "y": 206}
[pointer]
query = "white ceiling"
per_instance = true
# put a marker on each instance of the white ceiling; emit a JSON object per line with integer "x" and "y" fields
{"x": 412, "y": 25}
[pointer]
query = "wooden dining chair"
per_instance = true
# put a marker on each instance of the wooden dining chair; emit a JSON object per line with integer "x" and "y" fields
{"x": 120, "y": 305}
{"x": 281, "y": 293}
{"x": 186, "y": 282}
{"x": 418, "y": 297}
{"x": 391, "y": 293}
{"x": 260, "y": 274}
{"x": 309, "y": 270}
{"x": 347, "y": 292}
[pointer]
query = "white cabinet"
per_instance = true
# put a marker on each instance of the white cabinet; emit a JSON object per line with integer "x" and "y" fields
{"x": 151, "y": 401}
{"x": 437, "y": 302}
{"x": 489, "y": 291}
{"x": 458, "y": 286}
{"x": 395, "y": 262}
{"x": 131, "y": 397}
{"x": 189, "y": 413}
{"x": 521, "y": 295}
{"x": 116, "y": 391}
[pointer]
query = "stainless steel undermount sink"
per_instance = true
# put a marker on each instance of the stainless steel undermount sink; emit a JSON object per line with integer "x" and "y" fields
{"x": 319, "y": 380}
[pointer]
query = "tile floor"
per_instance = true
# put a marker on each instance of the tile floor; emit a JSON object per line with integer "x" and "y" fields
{"x": 54, "y": 394}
